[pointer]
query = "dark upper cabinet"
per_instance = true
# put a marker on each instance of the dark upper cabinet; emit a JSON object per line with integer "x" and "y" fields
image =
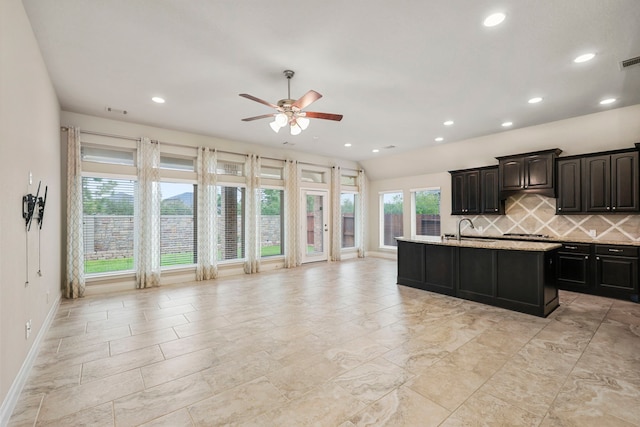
{"x": 465, "y": 192}
{"x": 512, "y": 172}
{"x": 530, "y": 172}
{"x": 569, "y": 186}
{"x": 610, "y": 182}
{"x": 624, "y": 182}
{"x": 490, "y": 192}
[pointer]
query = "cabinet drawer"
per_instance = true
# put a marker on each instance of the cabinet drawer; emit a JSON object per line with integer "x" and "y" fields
{"x": 578, "y": 248}
{"x": 630, "y": 251}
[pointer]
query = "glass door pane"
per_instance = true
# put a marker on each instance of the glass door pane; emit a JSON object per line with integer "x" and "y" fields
{"x": 314, "y": 226}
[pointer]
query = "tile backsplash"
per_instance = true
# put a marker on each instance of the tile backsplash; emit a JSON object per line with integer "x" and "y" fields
{"x": 536, "y": 214}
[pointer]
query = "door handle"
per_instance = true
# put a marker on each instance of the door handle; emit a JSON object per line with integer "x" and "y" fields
{"x": 571, "y": 247}
{"x": 615, "y": 250}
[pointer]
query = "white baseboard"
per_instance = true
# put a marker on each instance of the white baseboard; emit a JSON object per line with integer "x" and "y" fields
{"x": 387, "y": 255}
{"x": 10, "y": 401}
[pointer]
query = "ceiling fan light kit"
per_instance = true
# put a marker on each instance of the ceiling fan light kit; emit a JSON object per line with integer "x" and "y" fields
{"x": 289, "y": 111}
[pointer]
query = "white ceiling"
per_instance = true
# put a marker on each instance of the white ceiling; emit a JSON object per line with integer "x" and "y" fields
{"x": 396, "y": 69}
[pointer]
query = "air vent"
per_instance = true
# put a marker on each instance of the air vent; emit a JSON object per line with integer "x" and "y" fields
{"x": 630, "y": 62}
{"x": 115, "y": 110}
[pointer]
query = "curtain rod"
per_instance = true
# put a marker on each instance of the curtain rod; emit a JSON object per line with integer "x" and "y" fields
{"x": 129, "y": 138}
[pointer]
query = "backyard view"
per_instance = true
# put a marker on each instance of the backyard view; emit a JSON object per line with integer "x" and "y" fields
{"x": 108, "y": 218}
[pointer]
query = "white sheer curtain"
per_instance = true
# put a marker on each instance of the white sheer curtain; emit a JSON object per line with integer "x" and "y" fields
{"x": 292, "y": 255}
{"x": 336, "y": 214}
{"x": 148, "y": 214}
{"x": 207, "y": 267}
{"x": 74, "y": 288}
{"x": 253, "y": 214}
{"x": 360, "y": 212}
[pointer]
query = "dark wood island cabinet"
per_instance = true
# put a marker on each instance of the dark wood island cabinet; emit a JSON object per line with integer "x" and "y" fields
{"x": 515, "y": 275}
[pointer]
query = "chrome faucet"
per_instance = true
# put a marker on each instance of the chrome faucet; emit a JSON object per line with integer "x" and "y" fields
{"x": 460, "y": 222}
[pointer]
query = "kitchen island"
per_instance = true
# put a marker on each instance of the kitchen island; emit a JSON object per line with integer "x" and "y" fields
{"x": 516, "y": 275}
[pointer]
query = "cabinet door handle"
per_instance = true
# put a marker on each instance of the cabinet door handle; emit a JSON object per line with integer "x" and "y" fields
{"x": 571, "y": 247}
{"x": 616, "y": 250}
{"x": 608, "y": 208}
{"x": 614, "y": 208}
{"x": 526, "y": 186}
{"x": 496, "y": 210}
{"x": 586, "y": 257}
{"x": 559, "y": 209}
{"x": 598, "y": 258}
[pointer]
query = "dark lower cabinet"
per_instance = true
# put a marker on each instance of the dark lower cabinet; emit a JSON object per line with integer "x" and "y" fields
{"x": 427, "y": 267}
{"x": 517, "y": 280}
{"x": 526, "y": 282}
{"x": 477, "y": 274}
{"x": 573, "y": 267}
{"x": 616, "y": 271}
{"x": 607, "y": 270}
{"x": 439, "y": 269}
{"x": 411, "y": 264}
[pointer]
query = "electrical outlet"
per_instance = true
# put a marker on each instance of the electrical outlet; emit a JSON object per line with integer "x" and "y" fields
{"x": 27, "y": 329}
{"x": 480, "y": 229}
{"x": 592, "y": 233}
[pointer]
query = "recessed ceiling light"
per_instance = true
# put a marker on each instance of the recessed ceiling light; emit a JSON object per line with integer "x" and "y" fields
{"x": 375, "y": 150}
{"x": 448, "y": 123}
{"x": 585, "y": 57}
{"x": 439, "y": 139}
{"x": 535, "y": 100}
{"x": 347, "y": 145}
{"x": 507, "y": 124}
{"x": 608, "y": 101}
{"x": 158, "y": 100}
{"x": 494, "y": 19}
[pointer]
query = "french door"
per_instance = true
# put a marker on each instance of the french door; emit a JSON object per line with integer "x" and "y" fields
{"x": 314, "y": 233}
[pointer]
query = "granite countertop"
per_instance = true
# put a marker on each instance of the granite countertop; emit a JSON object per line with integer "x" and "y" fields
{"x": 555, "y": 239}
{"x": 485, "y": 243}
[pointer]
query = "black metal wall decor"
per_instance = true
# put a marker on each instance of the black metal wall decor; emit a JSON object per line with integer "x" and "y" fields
{"x": 31, "y": 204}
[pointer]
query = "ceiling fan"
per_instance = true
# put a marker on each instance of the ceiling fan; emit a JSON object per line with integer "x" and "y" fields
{"x": 289, "y": 111}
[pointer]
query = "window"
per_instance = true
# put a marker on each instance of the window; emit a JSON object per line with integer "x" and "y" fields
{"x": 231, "y": 208}
{"x": 348, "y": 203}
{"x": 349, "y": 180}
{"x": 108, "y": 225}
{"x": 177, "y": 224}
{"x": 225, "y": 167}
{"x": 390, "y": 218}
{"x": 313, "y": 176}
{"x": 106, "y": 155}
{"x": 271, "y": 222}
{"x": 271, "y": 172}
{"x": 176, "y": 163}
{"x": 426, "y": 212}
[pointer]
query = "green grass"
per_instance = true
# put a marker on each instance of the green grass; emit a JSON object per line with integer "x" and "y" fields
{"x": 270, "y": 250}
{"x": 108, "y": 265}
{"x": 166, "y": 260}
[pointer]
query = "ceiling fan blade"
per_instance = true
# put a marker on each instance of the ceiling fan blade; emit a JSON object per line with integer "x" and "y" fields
{"x": 261, "y": 101}
{"x": 264, "y": 116}
{"x": 326, "y": 116}
{"x": 307, "y": 99}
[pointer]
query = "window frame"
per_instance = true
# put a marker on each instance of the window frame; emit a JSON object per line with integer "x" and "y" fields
{"x": 244, "y": 219}
{"x": 414, "y": 206}
{"x": 356, "y": 223}
{"x": 381, "y": 224}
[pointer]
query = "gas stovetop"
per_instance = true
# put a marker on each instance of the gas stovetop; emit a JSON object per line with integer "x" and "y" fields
{"x": 525, "y": 235}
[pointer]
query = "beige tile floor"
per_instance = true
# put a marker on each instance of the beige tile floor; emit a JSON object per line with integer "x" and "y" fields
{"x": 331, "y": 344}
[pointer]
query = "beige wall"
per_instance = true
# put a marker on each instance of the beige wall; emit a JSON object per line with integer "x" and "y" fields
{"x": 427, "y": 167}
{"x": 29, "y": 134}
